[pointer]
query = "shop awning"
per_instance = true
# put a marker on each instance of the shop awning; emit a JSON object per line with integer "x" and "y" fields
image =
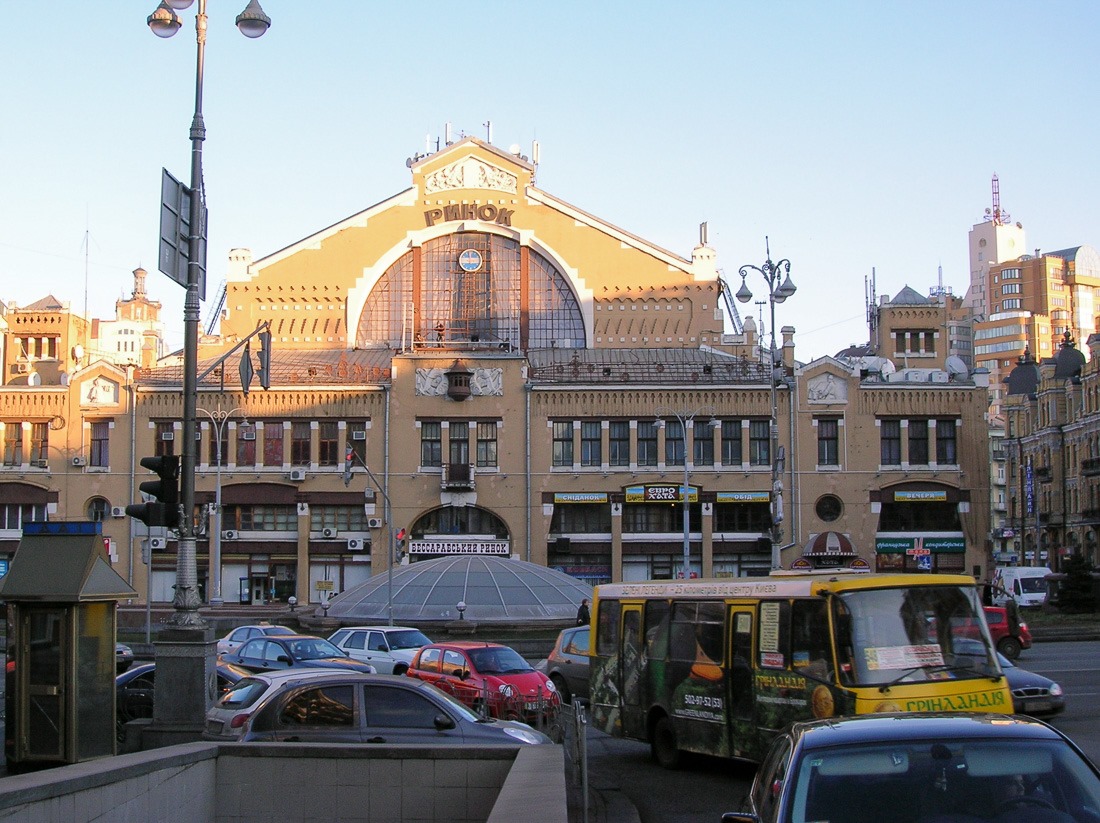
{"x": 828, "y": 544}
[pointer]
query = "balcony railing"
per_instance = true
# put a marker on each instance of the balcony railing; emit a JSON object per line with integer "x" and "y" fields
{"x": 1090, "y": 466}
{"x": 458, "y": 477}
{"x": 1043, "y": 474}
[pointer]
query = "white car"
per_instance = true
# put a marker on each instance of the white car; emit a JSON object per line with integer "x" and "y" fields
{"x": 236, "y": 638}
{"x": 389, "y": 649}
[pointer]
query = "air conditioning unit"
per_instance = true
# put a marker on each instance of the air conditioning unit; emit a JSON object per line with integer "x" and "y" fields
{"x": 248, "y": 434}
{"x": 158, "y": 543}
{"x": 41, "y": 464}
{"x": 328, "y": 532}
{"x": 118, "y": 511}
{"x": 355, "y": 544}
{"x": 230, "y": 534}
{"x": 167, "y": 435}
{"x": 79, "y": 461}
{"x": 297, "y": 474}
{"x": 374, "y": 522}
{"x": 359, "y": 435}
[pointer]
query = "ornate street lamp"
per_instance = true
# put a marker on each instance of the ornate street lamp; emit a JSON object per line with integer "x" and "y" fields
{"x": 218, "y": 420}
{"x": 780, "y": 287}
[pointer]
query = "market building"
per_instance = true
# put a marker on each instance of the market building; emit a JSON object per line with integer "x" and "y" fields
{"x": 474, "y": 366}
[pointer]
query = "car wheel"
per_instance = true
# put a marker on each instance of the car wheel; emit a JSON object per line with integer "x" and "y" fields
{"x": 1010, "y": 647}
{"x": 562, "y": 687}
{"x": 400, "y": 669}
{"x": 663, "y": 744}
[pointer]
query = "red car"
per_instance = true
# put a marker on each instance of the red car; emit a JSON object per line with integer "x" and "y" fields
{"x": 1009, "y": 634}
{"x": 489, "y": 678}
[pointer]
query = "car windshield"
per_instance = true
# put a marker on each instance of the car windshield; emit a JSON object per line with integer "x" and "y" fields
{"x": 498, "y": 660}
{"x": 278, "y": 630}
{"x": 243, "y": 693}
{"x": 976, "y": 779}
{"x": 887, "y": 636}
{"x": 1033, "y": 585}
{"x": 314, "y": 648}
{"x": 407, "y": 639}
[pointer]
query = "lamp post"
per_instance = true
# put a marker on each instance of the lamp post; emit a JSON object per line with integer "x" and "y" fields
{"x": 393, "y": 541}
{"x": 218, "y": 419}
{"x": 778, "y": 277}
{"x": 686, "y": 418}
{"x": 164, "y": 22}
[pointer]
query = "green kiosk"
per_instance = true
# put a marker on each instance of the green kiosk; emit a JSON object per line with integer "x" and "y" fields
{"x": 61, "y": 595}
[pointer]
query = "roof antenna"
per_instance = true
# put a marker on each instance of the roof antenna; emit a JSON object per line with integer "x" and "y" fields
{"x": 488, "y": 124}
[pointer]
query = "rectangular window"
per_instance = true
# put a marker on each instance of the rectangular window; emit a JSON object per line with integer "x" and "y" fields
{"x": 100, "y": 453}
{"x": 459, "y": 443}
{"x": 357, "y": 439}
{"x": 273, "y": 444}
{"x": 647, "y": 443}
{"x": 591, "y": 443}
{"x": 40, "y": 443}
{"x": 487, "y": 444}
{"x": 218, "y": 451}
{"x": 890, "y": 450}
{"x": 328, "y": 445}
{"x": 13, "y": 444}
{"x": 563, "y": 443}
{"x": 918, "y": 442}
{"x": 702, "y": 444}
{"x": 246, "y": 445}
{"x": 431, "y": 444}
{"x": 300, "y": 437}
{"x": 165, "y": 440}
{"x": 828, "y": 442}
{"x": 618, "y": 444}
{"x": 946, "y": 444}
{"x": 731, "y": 443}
{"x": 760, "y": 443}
{"x": 675, "y": 450}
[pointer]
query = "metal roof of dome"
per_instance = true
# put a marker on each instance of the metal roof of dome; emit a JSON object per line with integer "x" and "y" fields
{"x": 494, "y": 589}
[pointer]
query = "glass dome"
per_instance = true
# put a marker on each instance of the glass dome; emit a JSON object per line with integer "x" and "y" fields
{"x": 494, "y": 589}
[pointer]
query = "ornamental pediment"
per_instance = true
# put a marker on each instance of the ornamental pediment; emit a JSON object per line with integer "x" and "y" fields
{"x": 470, "y": 173}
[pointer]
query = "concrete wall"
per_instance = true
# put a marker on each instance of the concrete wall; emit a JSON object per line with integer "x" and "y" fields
{"x": 258, "y": 783}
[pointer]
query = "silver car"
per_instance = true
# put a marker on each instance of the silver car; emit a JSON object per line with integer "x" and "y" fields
{"x": 389, "y": 649}
{"x": 355, "y": 708}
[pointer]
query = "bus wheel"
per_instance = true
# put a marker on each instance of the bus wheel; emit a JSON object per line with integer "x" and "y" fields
{"x": 663, "y": 745}
{"x": 1009, "y": 647}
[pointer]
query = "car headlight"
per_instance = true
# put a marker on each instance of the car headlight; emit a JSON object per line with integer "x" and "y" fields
{"x": 1055, "y": 690}
{"x": 522, "y": 735}
{"x": 549, "y": 685}
{"x": 506, "y": 689}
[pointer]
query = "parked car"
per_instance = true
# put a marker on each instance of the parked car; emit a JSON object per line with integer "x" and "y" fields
{"x": 567, "y": 664}
{"x": 490, "y": 678}
{"x": 300, "y": 651}
{"x": 389, "y": 649}
{"x": 124, "y": 657}
{"x": 1024, "y": 585}
{"x": 134, "y": 691}
{"x": 911, "y": 768}
{"x": 1009, "y": 634}
{"x": 234, "y": 640}
{"x": 346, "y": 707}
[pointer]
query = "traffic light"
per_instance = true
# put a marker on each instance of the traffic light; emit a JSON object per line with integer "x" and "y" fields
{"x": 166, "y": 490}
{"x": 264, "y": 372}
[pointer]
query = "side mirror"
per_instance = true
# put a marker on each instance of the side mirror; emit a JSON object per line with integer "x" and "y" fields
{"x": 464, "y": 674}
{"x": 442, "y": 723}
{"x": 282, "y": 658}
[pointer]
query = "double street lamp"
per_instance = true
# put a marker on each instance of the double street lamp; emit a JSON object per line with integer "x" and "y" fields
{"x": 164, "y": 22}
{"x": 778, "y": 277}
{"x": 687, "y": 420}
{"x": 218, "y": 419}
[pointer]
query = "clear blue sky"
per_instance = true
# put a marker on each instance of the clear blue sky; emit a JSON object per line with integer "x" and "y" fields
{"x": 856, "y": 135}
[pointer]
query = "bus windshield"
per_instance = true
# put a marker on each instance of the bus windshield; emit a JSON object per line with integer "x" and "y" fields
{"x": 904, "y": 635}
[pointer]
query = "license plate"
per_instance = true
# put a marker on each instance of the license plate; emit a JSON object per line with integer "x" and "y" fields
{"x": 1037, "y": 706}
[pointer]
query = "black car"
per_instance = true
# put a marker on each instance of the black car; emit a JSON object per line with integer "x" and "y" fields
{"x": 272, "y": 652}
{"x": 917, "y": 768}
{"x": 134, "y": 691}
{"x": 1032, "y": 693}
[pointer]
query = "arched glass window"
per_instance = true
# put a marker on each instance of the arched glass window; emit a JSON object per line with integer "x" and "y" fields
{"x": 471, "y": 291}
{"x": 98, "y": 509}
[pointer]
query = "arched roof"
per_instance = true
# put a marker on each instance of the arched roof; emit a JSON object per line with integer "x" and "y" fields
{"x": 495, "y": 590}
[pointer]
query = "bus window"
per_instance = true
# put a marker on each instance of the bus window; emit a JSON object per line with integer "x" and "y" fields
{"x": 607, "y": 628}
{"x": 810, "y": 653}
{"x": 656, "y": 629}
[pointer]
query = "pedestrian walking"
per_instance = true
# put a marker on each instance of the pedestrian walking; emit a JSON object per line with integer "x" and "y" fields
{"x": 583, "y": 617}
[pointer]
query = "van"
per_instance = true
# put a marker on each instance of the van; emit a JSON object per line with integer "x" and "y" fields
{"x": 1025, "y": 584}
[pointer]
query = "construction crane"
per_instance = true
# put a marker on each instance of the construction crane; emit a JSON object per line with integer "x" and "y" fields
{"x": 731, "y": 306}
{"x": 215, "y": 315}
